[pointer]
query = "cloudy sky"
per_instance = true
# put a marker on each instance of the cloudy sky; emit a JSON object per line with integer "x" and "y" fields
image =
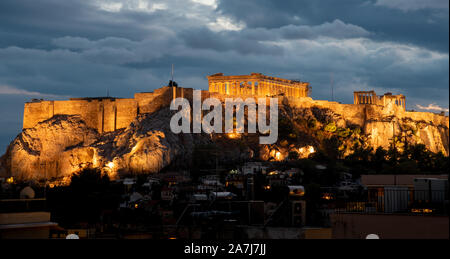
{"x": 55, "y": 49}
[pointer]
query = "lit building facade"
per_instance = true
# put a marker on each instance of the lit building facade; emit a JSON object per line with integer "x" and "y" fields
{"x": 257, "y": 84}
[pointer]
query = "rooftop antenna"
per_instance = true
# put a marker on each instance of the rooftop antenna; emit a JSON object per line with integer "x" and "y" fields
{"x": 332, "y": 89}
{"x": 172, "y": 76}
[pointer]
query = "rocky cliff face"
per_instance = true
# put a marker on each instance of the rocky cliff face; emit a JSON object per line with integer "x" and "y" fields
{"x": 56, "y": 148}
{"x": 62, "y": 145}
{"x": 380, "y": 126}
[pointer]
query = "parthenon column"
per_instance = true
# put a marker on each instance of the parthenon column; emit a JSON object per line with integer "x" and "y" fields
{"x": 253, "y": 87}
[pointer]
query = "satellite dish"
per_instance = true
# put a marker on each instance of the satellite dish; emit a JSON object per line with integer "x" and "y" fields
{"x": 27, "y": 193}
{"x": 72, "y": 236}
{"x": 372, "y": 236}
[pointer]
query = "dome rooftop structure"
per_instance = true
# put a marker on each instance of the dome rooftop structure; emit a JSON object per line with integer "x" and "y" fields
{"x": 27, "y": 193}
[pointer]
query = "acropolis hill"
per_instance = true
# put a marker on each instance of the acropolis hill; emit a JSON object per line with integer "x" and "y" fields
{"x": 133, "y": 135}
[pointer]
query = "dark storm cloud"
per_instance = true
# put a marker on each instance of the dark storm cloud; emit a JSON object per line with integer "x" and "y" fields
{"x": 252, "y": 40}
{"x": 206, "y": 39}
{"x": 32, "y": 23}
{"x": 59, "y": 49}
{"x": 407, "y": 21}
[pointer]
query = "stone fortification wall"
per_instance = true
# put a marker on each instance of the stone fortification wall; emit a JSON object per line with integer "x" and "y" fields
{"x": 381, "y": 123}
{"x": 104, "y": 114}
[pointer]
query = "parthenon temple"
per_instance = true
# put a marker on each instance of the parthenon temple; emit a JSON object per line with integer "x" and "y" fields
{"x": 370, "y": 97}
{"x": 257, "y": 84}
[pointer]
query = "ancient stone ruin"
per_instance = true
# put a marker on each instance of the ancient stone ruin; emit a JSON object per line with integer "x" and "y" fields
{"x": 257, "y": 84}
{"x": 370, "y": 97}
{"x": 133, "y": 134}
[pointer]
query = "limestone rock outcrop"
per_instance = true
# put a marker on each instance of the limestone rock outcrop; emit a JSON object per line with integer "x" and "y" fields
{"x": 56, "y": 148}
{"x": 62, "y": 145}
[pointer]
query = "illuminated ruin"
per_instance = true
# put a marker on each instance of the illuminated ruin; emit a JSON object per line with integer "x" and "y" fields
{"x": 257, "y": 84}
{"x": 370, "y": 97}
{"x": 63, "y": 137}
